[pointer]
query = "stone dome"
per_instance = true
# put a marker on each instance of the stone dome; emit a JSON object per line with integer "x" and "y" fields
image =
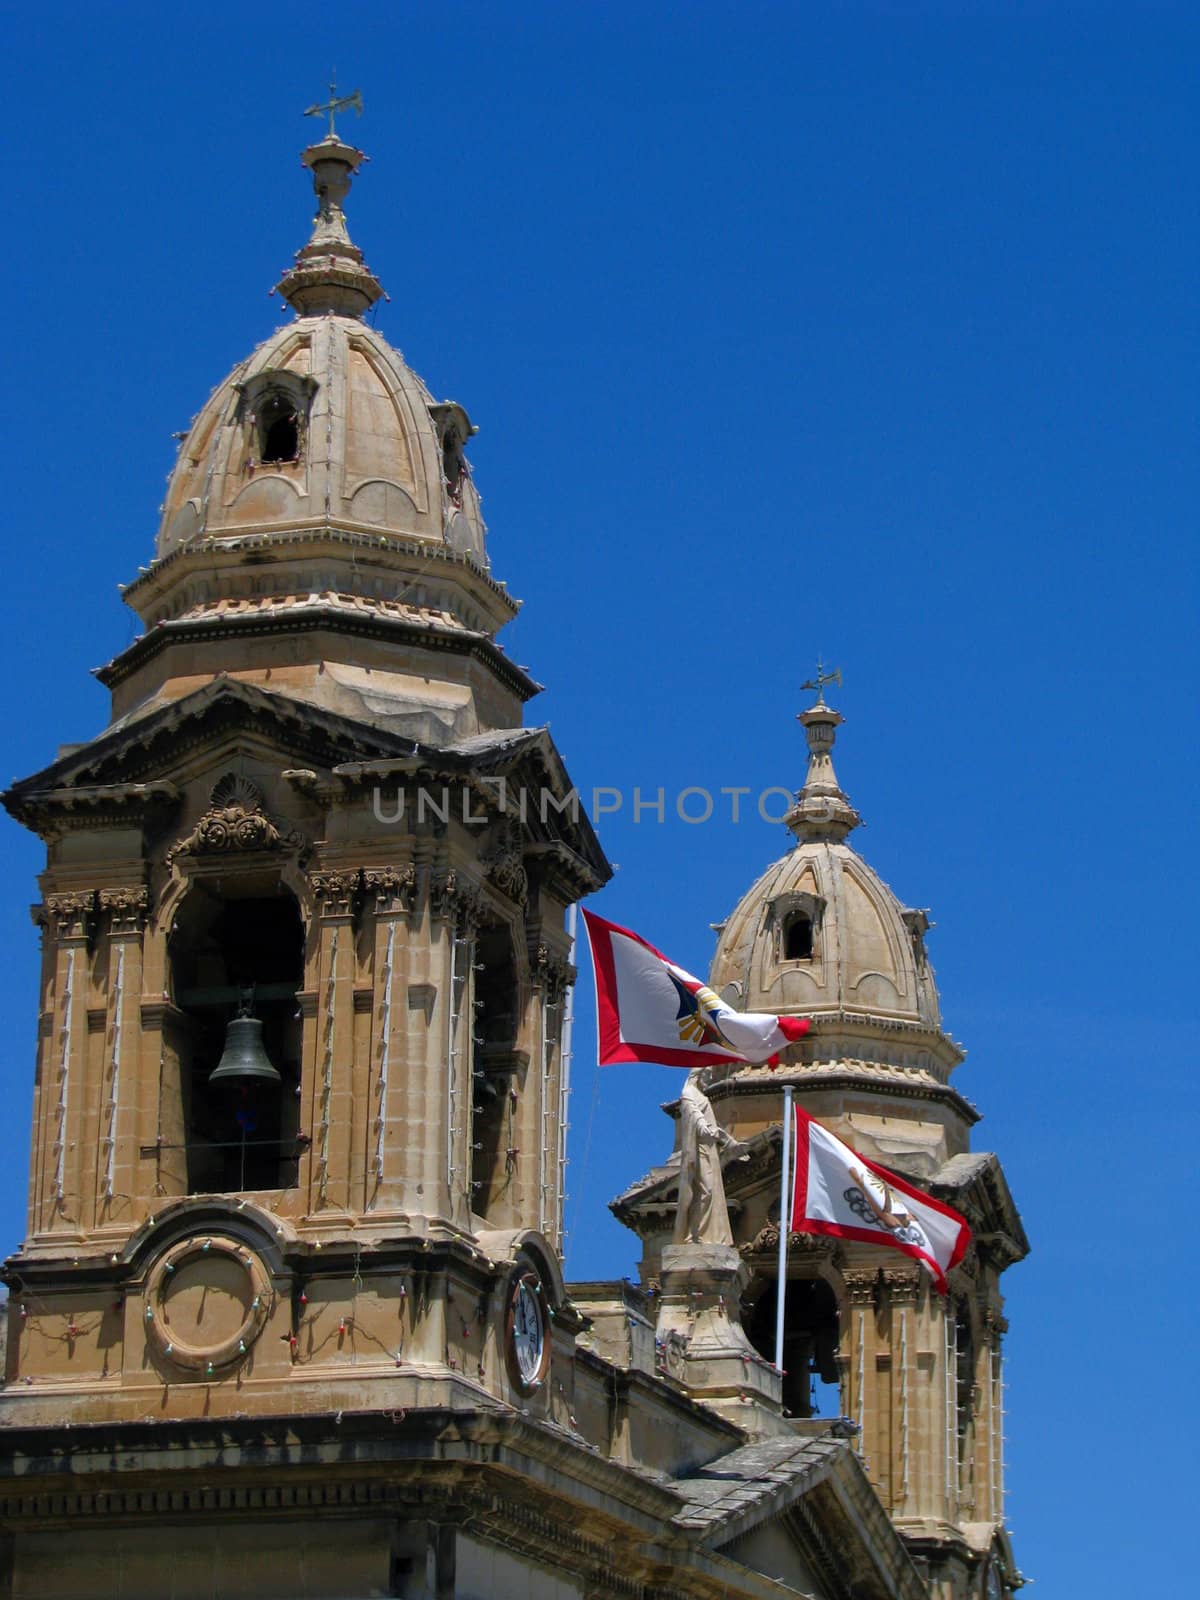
{"x": 321, "y": 532}
{"x": 821, "y": 935}
{"x": 864, "y": 952}
{"x": 324, "y": 423}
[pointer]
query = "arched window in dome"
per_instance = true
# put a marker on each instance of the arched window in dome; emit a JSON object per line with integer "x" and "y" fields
{"x": 275, "y": 407}
{"x": 454, "y": 428}
{"x": 798, "y": 937}
{"x": 278, "y": 431}
{"x": 796, "y": 918}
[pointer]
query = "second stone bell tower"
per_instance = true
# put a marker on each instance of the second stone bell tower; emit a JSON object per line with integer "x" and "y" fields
{"x": 912, "y": 1377}
{"x": 299, "y": 1105}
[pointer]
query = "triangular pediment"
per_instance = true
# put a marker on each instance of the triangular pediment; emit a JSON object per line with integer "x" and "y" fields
{"x": 146, "y": 749}
{"x": 138, "y": 763}
{"x": 783, "y": 1505}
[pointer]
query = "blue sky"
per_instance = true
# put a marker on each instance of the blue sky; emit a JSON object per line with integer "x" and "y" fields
{"x": 867, "y": 333}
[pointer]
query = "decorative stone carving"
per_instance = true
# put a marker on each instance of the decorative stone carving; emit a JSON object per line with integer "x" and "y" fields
{"x": 503, "y": 863}
{"x": 394, "y": 888}
{"x": 903, "y": 1288}
{"x": 206, "y": 1302}
{"x": 235, "y": 824}
{"x": 453, "y": 897}
{"x": 766, "y": 1242}
{"x": 127, "y": 908}
{"x": 861, "y": 1285}
{"x": 670, "y": 1354}
{"x": 336, "y": 892}
{"x": 995, "y": 1326}
{"x": 554, "y": 973}
{"x": 71, "y": 915}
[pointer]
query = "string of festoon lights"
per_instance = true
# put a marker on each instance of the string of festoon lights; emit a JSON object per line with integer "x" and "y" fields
{"x": 110, "y": 1138}
{"x": 385, "y": 1043}
{"x": 64, "y": 1070}
{"x": 327, "y": 1073}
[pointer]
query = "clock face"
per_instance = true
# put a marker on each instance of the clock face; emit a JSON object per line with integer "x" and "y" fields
{"x": 527, "y": 1345}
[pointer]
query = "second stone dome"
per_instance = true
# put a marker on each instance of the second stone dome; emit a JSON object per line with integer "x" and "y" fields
{"x": 820, "y": 934}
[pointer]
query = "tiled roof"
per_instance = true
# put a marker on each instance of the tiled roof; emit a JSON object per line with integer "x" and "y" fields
{"x": 752, "y": 1482}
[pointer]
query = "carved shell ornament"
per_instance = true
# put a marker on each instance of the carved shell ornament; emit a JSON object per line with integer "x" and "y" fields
{"x": 235, "y": 822}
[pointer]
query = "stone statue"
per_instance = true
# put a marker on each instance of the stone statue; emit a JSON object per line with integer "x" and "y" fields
{"x": 701, "y": 1216}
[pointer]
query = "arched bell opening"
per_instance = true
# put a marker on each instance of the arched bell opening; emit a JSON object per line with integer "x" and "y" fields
{"x": 497, "y": 1067}
{"x": 810, "y": 1343}
{"x": 236, "y": 955}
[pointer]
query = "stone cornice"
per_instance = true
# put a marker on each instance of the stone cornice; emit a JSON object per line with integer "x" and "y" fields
{"x": 316, "y": 618}
{"x": 321, "y": 536}
{"x": 821, "y": 1079}
{"x": 90, "y": 806}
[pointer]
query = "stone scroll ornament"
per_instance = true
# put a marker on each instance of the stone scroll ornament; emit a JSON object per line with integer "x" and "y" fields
{"x": 236, "y": 823}
{"x": 648, "y": 1009}
{"x": 841, "y": 1193}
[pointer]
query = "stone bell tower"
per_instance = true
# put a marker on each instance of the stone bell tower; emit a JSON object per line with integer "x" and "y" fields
{"x": 315, "y": 806}
{"x": 918, "y": 1375}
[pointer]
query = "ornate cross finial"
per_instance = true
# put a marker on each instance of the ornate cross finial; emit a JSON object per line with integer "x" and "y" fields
{"x": 333, "y": 105}
{"x": 822, "y": 678}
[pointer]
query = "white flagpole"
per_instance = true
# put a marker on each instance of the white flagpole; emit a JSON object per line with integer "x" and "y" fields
{"x": 785, "y": 1222}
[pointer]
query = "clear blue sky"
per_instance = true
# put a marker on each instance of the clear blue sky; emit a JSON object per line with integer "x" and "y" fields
{"x": 867, "y": 332}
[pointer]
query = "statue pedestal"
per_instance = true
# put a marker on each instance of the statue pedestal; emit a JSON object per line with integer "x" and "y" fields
{"x": 700, "y": 1341}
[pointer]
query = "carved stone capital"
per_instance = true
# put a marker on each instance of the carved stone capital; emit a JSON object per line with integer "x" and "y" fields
{"x": 454, "y": 898}
{"x": 394, "y": 888}
{"x": 553, "y": 973}
{"x": 861, "y": 1284}
{"x": 903, "y": 1287}
{"x": 335, "y": 892}
{"x": 127, "y": 908}
{"x": 995, "y": 1326}
{"x": 70, "y": 915}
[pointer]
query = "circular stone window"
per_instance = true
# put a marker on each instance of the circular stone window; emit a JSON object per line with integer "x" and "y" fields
{"x": 207, "y": 1300}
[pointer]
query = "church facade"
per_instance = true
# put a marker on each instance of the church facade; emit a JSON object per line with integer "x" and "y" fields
{"x": 289, "y": 1316}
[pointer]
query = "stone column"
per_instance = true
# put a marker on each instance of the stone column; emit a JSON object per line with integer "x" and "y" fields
{"x": 454, "y": 905}
{"x": 116, "y": 1178}
{"x": 332, "y": 1047}
{"x": 989, "y": 1432}
{"x": 55, "y": 1200}
{"x": 541, "y": 1132}
{"x": 902, "y": 1288}
{"x": 859, "y": 1346}
{"x": 391, "y": 893}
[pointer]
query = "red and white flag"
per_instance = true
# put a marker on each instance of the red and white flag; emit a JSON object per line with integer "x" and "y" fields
{"x": 838, "y": 1191}
{"x": 648, "y": 1009}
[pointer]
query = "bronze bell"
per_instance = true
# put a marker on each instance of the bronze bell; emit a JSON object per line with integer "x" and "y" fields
{"x": 243, "y": 1059}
